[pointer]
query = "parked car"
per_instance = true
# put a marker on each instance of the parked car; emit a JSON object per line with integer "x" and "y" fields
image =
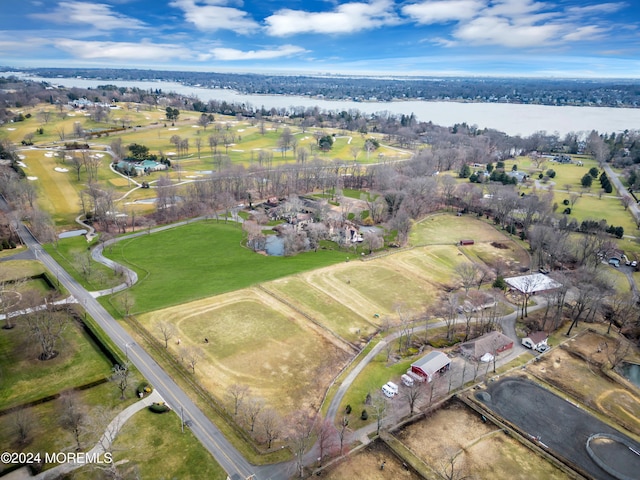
{"x": 543, "y": 348}
{"x": 634, "y": 264}
{"x": 527, "y": 343}
{"x": 407, "y": 380}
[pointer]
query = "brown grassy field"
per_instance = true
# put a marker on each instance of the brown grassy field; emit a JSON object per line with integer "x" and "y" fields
{"x": 480, "y": 449}
{"x": 257, "y": 341}
{"x": 366, "y": 465}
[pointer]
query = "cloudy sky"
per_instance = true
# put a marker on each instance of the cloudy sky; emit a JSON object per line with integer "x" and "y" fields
{"x": 567, "y": 38}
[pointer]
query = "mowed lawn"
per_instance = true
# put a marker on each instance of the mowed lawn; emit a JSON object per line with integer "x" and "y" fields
{"x": 324, "y": 309}
{"x": 374, "y": 289}
{"x": 150, "y": 443}
{"x": 435, "y": 263}
{"x": 57, "y": 193}
{"x": 203, "y": 259}
{"x": 450, "y": 229}
{"x": 79, "y": 362}
{"x": 257, "y": 341}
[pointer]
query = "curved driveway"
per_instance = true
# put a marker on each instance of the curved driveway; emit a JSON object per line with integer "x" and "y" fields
{"x": 208, "y": 434}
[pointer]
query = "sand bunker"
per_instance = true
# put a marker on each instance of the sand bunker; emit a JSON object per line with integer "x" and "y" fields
{"x": 61, "y": 170}
{"x": 32, "y": 178}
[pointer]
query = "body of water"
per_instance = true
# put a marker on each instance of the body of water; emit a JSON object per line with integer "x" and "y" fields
{"x": 72, "y": 233}
{"x": 274, "y": 246}
{"x": 513, "y": 119}
{"x": 631, "y": 372}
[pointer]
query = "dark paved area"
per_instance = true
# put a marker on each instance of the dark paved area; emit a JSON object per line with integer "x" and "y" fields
{"x": 560, "y": 425}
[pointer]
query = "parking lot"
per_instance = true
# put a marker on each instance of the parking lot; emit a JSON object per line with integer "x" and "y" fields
{"x": 557, "y": 425}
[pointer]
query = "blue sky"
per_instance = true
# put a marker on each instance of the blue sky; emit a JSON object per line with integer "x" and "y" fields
{"x": 561, "y": 38}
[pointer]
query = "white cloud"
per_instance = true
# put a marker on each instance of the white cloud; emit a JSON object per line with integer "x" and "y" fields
{"x": 266, "y": 54}
{"x": 601, "y": 8}
{"x": 345, "y": 18}
{"x": 443, "y": 11}
{"x": 588, "y": 32}
{"x": 499, "y": 31}
{"x": 123, "y": 51}
{"x": 511, "y": 23}
{"x": 211, "y": 15}
{"x": 98, "y": 15}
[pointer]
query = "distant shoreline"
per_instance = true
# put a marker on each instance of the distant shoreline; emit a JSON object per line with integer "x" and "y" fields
{"x": 511, "y": 118}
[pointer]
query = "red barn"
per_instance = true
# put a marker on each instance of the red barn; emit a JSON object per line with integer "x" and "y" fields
{"x": 430, "y": 365}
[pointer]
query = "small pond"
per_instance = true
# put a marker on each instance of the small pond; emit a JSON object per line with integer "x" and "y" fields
{"x": 274, "y": 245}
{"x": 631, "y": 372}
{"x": 72, "y": 233}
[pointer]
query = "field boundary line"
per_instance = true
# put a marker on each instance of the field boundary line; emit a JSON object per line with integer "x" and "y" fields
{"x": 574, "y": 471}
{"x": 351, "y": 346}
{"x": 405, "y": 454}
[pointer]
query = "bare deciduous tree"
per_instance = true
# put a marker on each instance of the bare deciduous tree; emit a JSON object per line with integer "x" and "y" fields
{"x": 301, "y": 425}
{"x": 342, "y": 432}
{"x": 191, "y": 355}
{"x": 251, "y": 410}
{"x": 326, "y": 436}
{"x": 271, "y": 424}
{"x": 468, "y": 273}
{"x": 413, "y": 394}
{"x": 379, "y": 406}
{"x": 72, "y": 415}
{"x": 238, "y": 392}
{"x": 47, "y": 326}
{"x": 120, "y": 376}
{"x": 23, "y": 424}
{"x": 167, "y": 331}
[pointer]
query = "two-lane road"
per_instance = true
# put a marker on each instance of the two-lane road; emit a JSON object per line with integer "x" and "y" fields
{"x": 210, "y": 436}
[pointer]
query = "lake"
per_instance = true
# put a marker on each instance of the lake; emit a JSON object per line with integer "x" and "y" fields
{"x": 513, "y": 119}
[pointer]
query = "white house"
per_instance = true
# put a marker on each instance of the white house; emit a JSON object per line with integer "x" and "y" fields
{"x": 536, "y": 340}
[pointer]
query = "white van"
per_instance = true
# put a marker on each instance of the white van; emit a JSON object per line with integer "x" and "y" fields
{"x": 387, "y": 391}
{"x": 407, "y": 380}
{"x": 390, "y": 389}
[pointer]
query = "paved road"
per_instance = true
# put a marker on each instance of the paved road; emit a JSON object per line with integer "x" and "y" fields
{"x": 210, "y": 436}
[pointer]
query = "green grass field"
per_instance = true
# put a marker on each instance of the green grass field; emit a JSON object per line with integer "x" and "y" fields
{"x": 151, "y": 443}
{"x": 372, "y": 289}
{"x": 444, "y": 229}
{"x": 436, "y": 263}
{"x": 375, "y": 374}
{"x": 73, "y": 255}
{"x": 18, "y": 269}
{"x": 47, "y": 434}
{"x": 343, "y": 299}
{"x": 26, "y": 378}
{"x": 203, "y": 259}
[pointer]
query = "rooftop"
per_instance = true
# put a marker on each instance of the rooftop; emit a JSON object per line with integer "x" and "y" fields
{"x": 536, "y": 282}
